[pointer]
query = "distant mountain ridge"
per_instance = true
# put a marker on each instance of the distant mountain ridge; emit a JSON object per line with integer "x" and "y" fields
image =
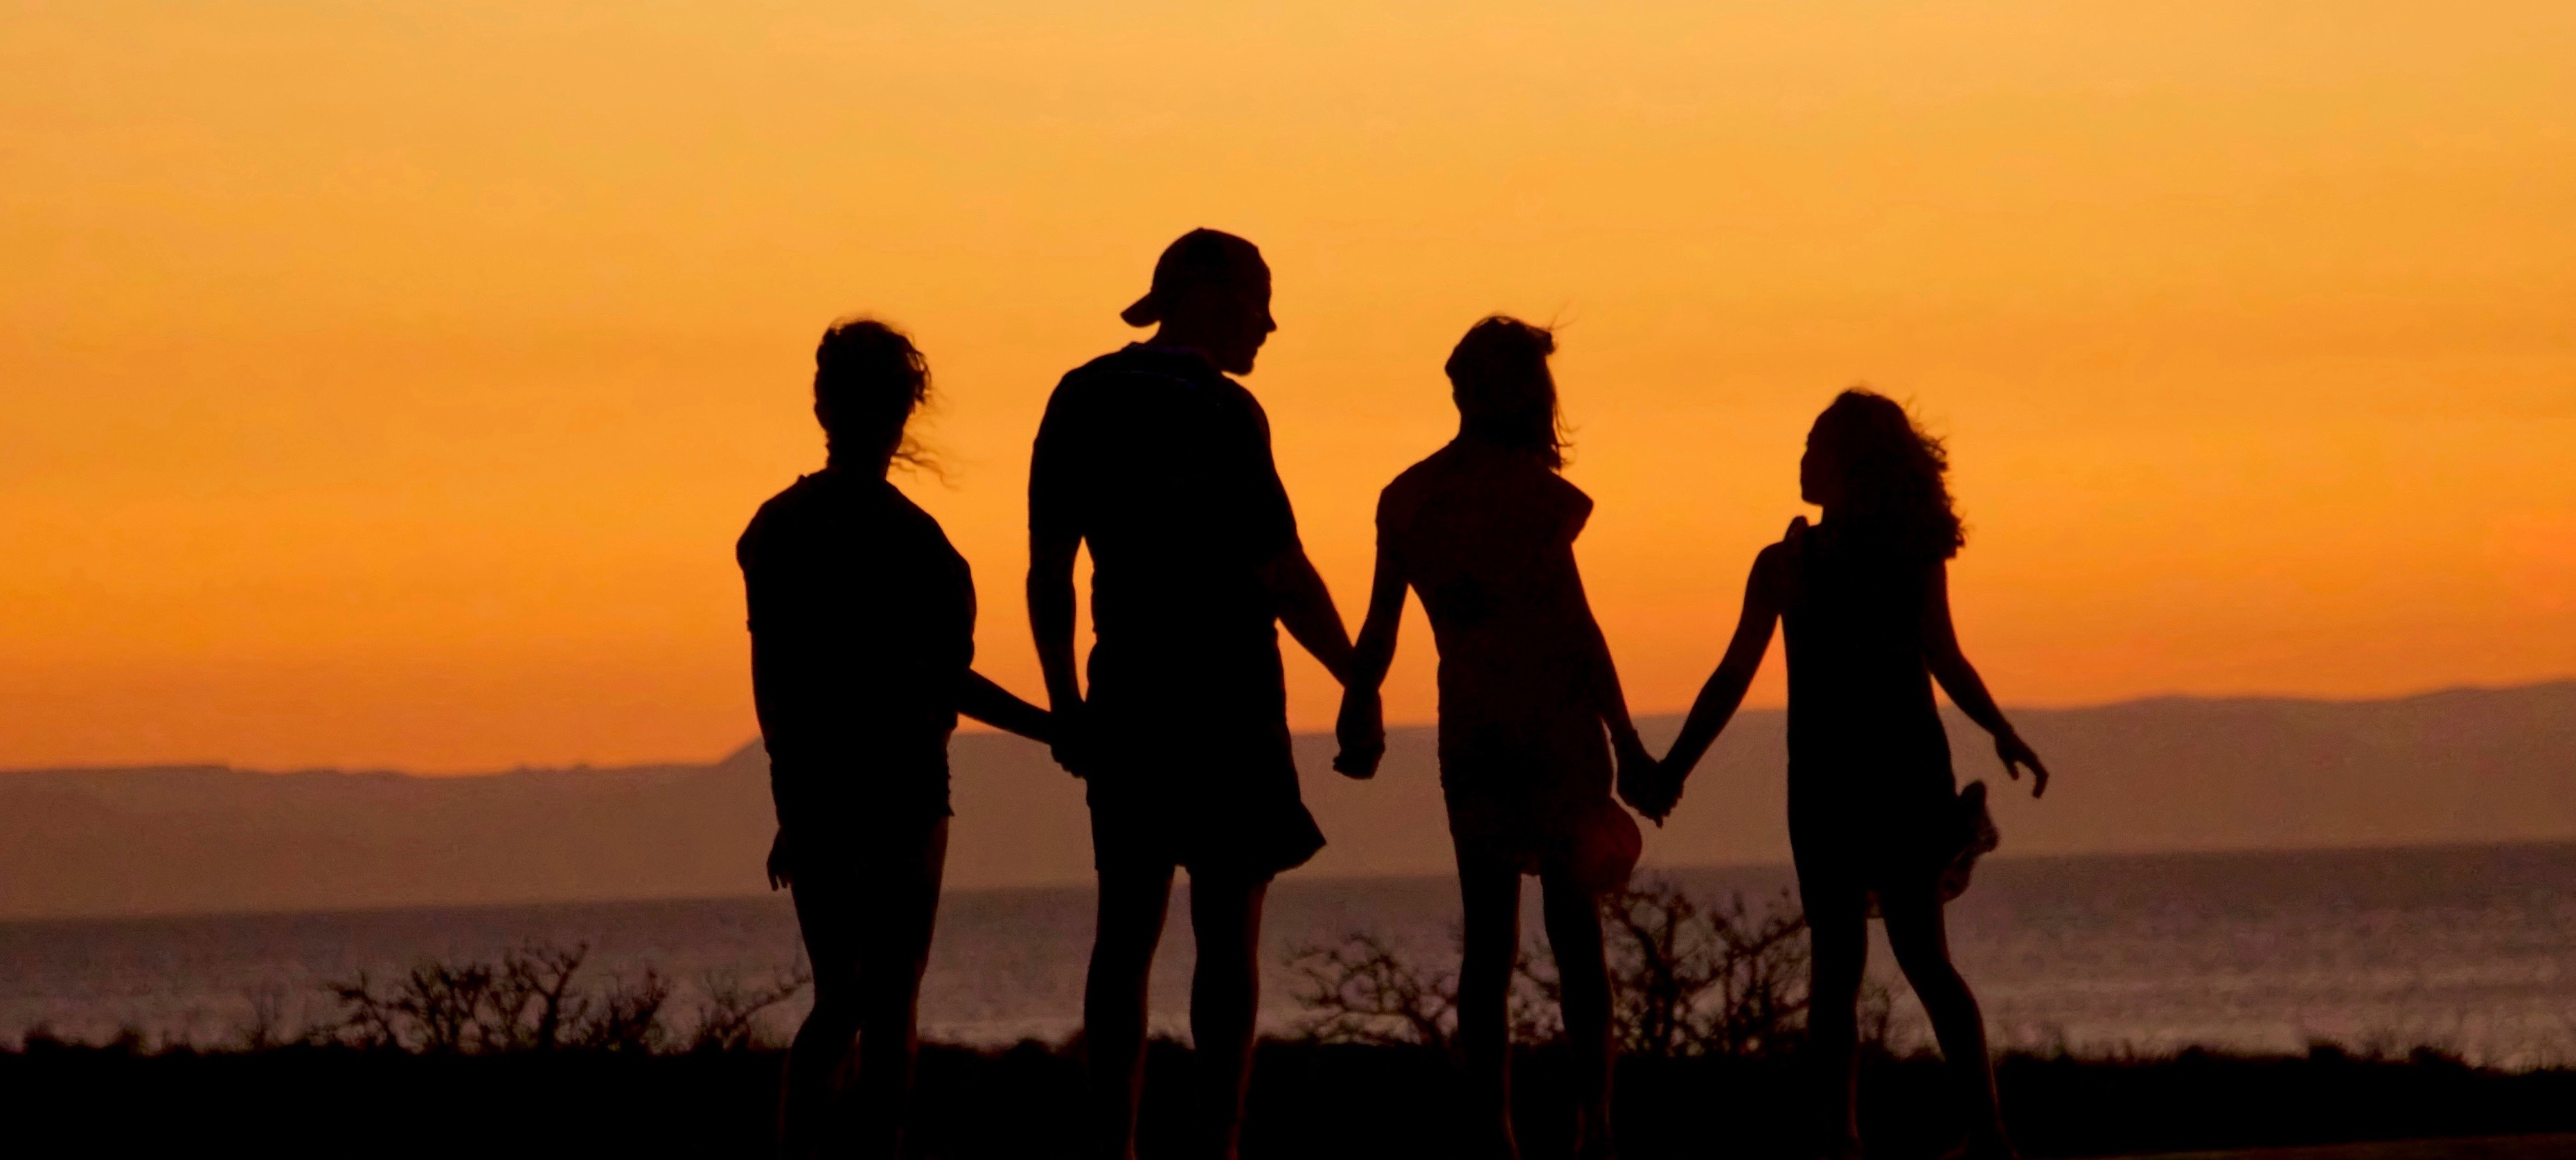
{"x": 2166, "y": 774}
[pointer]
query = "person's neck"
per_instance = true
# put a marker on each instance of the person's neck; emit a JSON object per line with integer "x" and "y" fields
{"x": 876, "y": 466}
{"x": 1167, "y": 338}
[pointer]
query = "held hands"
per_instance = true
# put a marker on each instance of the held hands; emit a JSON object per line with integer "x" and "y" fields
{"x": 1069, "y": 737}
{"x": 2017, "y": 753}
{"x": 1361, "y": 730}
{"x": 782, "y": 871}
{"x": 1644, "y": 783}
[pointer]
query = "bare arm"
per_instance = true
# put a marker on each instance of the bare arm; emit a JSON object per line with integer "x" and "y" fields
{"x": 996, "y": 706}
{"x": 1050, "y": 594}
{"x": 1724, "y": 692}
{"x": 1375, "y": 650}
{"x": 1639, "y": 781}
{"x": 1608, "y": 699}
{"x": 1362, "y": 726}
{"x": 1306, "y": 610}
{"x": 1967, "y": 690}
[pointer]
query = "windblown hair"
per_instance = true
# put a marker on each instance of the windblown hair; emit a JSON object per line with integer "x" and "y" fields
{"x": 1499, "y": 378}
{"x": 1894, "y": 477}
{"x": 868, "y": 381}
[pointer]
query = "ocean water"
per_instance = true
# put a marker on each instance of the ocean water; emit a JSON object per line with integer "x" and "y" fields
{"x": 2472, "y": 949}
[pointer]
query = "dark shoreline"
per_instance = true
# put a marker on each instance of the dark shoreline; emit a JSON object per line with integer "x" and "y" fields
{"x": 2217, "y": 859}
{"x": 1309, "y": 1100}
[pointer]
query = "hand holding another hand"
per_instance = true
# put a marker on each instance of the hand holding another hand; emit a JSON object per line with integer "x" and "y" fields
{"x": 1361, "y": 730}
{"x": 782, "y": 872}
{"x": 1071, "y": 747}
{"x": 1645, "y": 784}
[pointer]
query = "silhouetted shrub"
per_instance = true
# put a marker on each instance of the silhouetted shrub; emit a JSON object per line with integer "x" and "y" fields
{"x": 533, "y": 1003}
{"x": 1691, "y": 979}
{"x": 730, "y": 1018}
{"x": 1688, "y": 979}
{"x": 1363, "y": 992}
{"x": 628, "y": 1017}
{"x": 526, "y": 1002}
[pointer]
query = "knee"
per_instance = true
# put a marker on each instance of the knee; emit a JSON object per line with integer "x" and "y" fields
{"x": 1835, "y": 961}
{"x": 1926, "y": 963}
{"x": 1121, "y": 951}
{"x": 833, "y": 1019}
{"x": 1935, "y": 981}
{"x": 1584, "y": 974}
{"x": 1484, "y": 981}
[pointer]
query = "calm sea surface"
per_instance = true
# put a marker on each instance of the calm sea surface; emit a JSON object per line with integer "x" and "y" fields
{"x": 2472, "y": 949}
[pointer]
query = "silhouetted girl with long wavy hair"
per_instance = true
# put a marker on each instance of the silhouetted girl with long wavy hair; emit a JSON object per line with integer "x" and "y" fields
{"x": 1875, "y": 817}
{"x": 1530, "y": 709}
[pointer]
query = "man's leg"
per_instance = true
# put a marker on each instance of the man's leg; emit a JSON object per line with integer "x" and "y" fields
{"x": 1225, "y": 996}
{"x": 1132, "y": 902}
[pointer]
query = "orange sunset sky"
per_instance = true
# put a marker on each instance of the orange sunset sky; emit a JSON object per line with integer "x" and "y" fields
{"x": 385, "y": 383}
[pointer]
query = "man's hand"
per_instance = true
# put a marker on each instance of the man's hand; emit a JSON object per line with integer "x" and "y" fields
{"x": 782, "y": 867}
{"x": 1071, "y": 726}
{"x": 1361, "y": 730}
{"x": 2017, "y": 753}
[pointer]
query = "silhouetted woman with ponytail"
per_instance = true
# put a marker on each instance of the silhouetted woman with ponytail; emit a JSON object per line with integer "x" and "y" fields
{"x": 1875, "y": 818}
{"x": 1530, "y": 709}
{"x": 862, "y": 636}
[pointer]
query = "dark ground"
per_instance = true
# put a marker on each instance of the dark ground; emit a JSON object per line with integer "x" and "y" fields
{"x": 1337, "y": 1101}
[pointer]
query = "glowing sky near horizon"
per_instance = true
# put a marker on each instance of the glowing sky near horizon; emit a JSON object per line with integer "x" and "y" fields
{"x": 386, "y": 383}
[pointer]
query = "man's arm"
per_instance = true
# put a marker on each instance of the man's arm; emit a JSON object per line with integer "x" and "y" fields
{"x": 1361, "y": 729}
{"x": 1050, "y": 594}
{"x": 1054, "y": 536}
{"x": 1306, "y": 610}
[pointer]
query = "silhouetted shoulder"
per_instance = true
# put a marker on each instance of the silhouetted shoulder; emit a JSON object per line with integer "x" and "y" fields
{"x": 1777, "y": 567}
{"x": 1136, "y": 361}
{"x": 788, "y": 509}
{"x": 820, "y": 504}
{"x": 1469, "y": 475}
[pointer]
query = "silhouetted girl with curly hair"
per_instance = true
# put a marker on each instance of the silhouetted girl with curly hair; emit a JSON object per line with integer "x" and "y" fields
{"x": 1876, "y": 821}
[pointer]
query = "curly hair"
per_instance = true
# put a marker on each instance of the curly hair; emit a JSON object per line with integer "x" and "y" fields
{"x": 1499, "y": 378}
{"x": 1895, "y": 478}
{"x": 868, "y": 380}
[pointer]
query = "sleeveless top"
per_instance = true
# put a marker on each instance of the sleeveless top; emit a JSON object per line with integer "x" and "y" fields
{"x": 1866, "y": 746}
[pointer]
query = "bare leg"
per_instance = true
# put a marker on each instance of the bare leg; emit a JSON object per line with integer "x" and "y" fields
{"x": 1574, "y": 935}
{"x": 899, "y": 918}
{"x": 1225, "y": 997}
{"x": 1132, "y": 903}
{"x": 1838, "y": 938}
{"x": 1491, "y": 894}
{"x": 808, "y": 1120}
{"x": 1921, "y": 940}
{"x": 867, "y": 935}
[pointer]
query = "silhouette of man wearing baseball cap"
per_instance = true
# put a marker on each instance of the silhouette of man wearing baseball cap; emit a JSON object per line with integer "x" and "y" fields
{"x": 1161, "y": 463}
